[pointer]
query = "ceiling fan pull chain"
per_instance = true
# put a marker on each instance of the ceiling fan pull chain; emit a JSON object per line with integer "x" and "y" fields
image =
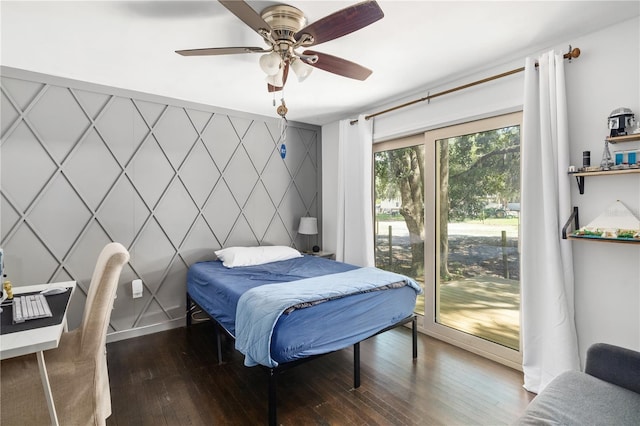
{"x": 282, "y": 112}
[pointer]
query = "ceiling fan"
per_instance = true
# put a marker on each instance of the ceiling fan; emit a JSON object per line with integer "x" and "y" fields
{"x": 283, "y": 29}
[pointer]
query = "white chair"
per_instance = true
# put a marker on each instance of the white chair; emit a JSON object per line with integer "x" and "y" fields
{"x": 77, "y": 368}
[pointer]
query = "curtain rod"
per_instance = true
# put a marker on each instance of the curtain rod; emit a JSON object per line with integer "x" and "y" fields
{"x": 573, "y": 53}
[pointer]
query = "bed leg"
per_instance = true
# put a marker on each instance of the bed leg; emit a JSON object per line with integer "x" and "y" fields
{"x": 356, "y": 365}
{"x": 414, "y": 336}
{"x": 218, "y": 343}
{"x": 188, "y": 310}
{"x": 273, "y": 418}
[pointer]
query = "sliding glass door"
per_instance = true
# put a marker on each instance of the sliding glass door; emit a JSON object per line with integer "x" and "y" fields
{"x": 448, "y": 215}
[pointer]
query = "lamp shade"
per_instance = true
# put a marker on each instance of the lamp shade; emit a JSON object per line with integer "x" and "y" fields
{"x": 277, "y": 79}
{"x": 301, "y": 70}
{"x": 308, "y": 226}
{"x": 270, "y": 63}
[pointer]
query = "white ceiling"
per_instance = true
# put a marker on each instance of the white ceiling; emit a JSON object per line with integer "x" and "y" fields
{"x": 417, "y": 45}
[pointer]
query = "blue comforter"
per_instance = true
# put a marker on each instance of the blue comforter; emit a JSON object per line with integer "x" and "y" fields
{"x": 259, "y": 308}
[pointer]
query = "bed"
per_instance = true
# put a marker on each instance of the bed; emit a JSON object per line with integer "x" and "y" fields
{"x": 286, "y": 312}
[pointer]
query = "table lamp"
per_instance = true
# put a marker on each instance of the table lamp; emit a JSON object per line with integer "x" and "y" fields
{"x": 308, "y": 226}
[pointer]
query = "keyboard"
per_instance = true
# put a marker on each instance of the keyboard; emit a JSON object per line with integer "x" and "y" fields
{"x": 29, "y": 307}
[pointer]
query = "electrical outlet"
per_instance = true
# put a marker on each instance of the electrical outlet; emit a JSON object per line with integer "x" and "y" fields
{"x": 136, "y": 288}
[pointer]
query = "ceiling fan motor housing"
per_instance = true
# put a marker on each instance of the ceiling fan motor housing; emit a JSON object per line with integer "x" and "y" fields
{"x": 285, "y": 21}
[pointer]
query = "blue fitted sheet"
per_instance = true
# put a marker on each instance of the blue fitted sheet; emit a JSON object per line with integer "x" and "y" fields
{"x": 318, "y": 329}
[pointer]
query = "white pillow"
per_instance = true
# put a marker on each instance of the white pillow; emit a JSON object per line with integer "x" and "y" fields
{"x": 248, "y": 256}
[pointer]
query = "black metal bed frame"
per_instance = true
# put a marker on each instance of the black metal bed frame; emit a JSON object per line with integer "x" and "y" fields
{"x": 275, "y": 371}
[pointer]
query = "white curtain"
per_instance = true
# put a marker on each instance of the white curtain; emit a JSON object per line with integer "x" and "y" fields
{"x": 355, "y": 208}
{"x": 549, "y": 340}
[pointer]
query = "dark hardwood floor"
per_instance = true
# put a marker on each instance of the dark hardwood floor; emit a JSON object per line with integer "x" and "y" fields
{"x": 173, "y": 378}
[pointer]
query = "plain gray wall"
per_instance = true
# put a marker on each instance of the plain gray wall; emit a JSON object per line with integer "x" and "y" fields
{"x": 83, "y": 165}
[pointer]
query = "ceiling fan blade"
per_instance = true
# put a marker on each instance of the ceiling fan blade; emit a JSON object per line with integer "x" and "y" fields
{"x": 339, "y": 66}
{"x": 285, "y": 74}
{"x": 220, "y": 51}
{"x": 342, "y": 22}
{"x": 246, "y": 14}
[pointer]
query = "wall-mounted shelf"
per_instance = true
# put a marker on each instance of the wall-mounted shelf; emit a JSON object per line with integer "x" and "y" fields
{"x": 580, "y": 175}
{"x": 567, "y": 233}
{"x": 616, "y": 139}
{"x": 627, "y": 138}
{"x": 605, "y": 240}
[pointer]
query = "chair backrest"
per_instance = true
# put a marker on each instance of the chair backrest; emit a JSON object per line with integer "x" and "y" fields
{"x": 99, "y": 303}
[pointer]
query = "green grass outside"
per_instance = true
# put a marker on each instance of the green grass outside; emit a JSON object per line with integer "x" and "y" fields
{"x": 384, "y": 217}
{"x": 495, "y": 221}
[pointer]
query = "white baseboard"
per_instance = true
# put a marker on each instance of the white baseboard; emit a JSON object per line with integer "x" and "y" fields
{"x": 143, "y": 331}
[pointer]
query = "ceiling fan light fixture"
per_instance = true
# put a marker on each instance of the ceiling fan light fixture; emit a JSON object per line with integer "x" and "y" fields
{"x": 270, "y": 63}
{"x": 276, "y": 80}
{"x": 301, "y": 69}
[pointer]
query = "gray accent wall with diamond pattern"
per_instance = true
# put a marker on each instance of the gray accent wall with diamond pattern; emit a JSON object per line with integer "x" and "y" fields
{"x": 83, "y": 165}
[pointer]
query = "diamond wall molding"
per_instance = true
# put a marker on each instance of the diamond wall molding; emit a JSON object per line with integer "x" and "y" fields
{"x": 83, "y": 165}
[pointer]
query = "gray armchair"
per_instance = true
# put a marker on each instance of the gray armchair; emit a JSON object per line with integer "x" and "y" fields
{"x": 607, "y": 393}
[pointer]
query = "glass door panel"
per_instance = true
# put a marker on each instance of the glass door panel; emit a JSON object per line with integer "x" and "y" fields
{"x": 478, "y": 215}
{"x": 399, "y": 212}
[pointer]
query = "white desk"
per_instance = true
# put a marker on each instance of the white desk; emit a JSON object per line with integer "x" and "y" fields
{"x": 37, "y": 341}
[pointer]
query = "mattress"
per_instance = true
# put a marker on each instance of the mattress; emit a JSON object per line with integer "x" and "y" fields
{"x": 300, "y": 333}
